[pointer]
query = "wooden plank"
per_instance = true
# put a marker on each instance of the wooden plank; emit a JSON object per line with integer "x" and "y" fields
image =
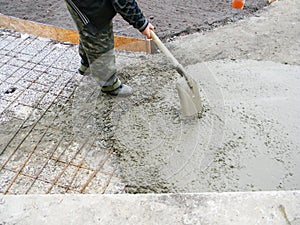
{"x": 67, "y": 35}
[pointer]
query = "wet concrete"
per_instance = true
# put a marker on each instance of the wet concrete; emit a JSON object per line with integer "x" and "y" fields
{"x": 246, "y": 139}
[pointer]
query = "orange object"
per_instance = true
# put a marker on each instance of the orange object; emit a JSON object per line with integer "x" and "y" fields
{"x": 65, "y": 35}
{"x": 238, "y": 4}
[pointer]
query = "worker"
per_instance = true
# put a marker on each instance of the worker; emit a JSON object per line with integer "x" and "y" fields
{"x": 93, "y": 19}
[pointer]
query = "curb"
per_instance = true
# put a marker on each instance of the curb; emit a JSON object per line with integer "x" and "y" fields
{"x": 274, "y": 208}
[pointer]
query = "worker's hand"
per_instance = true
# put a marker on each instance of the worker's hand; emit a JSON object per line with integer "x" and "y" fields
{"x": 146, "y": 32}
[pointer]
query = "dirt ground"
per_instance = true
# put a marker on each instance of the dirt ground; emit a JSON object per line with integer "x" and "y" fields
{"x": 170, "y": 17}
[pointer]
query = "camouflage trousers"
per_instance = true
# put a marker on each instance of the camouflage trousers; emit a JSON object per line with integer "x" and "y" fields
{"x": 97, "y": 52}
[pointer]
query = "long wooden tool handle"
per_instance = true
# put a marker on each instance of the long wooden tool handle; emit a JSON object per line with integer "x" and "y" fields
{"x": 163, "y": 48}
{"x": 174, "y": 61}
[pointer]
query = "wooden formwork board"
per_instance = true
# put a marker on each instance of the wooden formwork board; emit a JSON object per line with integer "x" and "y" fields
{"x": 67, "y": 35}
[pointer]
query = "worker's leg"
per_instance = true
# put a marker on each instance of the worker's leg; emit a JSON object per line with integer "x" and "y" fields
{"x": 99, "y": 50}
{"x": 97, "y": 53}
{"x": 84, "y": 60}
{"x": 84, "y": 63}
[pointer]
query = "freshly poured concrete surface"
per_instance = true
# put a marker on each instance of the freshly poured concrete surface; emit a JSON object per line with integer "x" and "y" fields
{"x": 246, "y": 140}
{"x": 251, "y": 97}
{"x": 268, "y": 208}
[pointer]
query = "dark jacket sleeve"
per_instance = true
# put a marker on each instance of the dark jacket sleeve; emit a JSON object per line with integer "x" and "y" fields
{"x": 131, "y": 12}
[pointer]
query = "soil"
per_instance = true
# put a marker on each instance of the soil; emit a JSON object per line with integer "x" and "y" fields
{"x": 170, "y": 17}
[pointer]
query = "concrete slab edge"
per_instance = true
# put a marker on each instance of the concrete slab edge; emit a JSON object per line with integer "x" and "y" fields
{"x": 275, "y": 207}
